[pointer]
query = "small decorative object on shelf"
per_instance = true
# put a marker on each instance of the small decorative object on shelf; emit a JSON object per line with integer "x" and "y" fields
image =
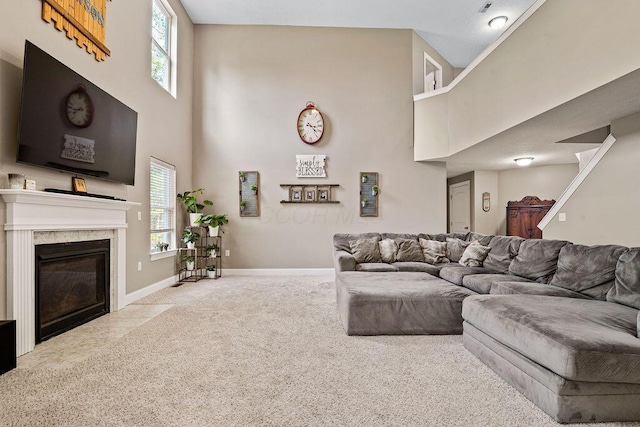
{"x": 309, "y": 193}
{"x": 16, "y": 181}
{"x": 78, "y": 184}
{"x": 249, "y": 189}
{"x": 190, "y": 200}
{"x": 369, "y": 193}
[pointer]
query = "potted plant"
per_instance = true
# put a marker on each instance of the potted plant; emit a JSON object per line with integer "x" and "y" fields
{"x": 212, "y": 250}
{"x": 190, "y": 200}
{"x": 363, "y": 202}
{"x": 211, "y": 271}
{"x": 214, "y": 222}
{"x": 364, "y": 178}
{"x": 374, "y": 190}
{"x": 189, "y": 237}
{"x": 190, "y": 261}
{"x": 242, "y": 177}
{"x": 254, "y": 188}
{"x": 243, "y": 204}
{"x": 165, "y": 247}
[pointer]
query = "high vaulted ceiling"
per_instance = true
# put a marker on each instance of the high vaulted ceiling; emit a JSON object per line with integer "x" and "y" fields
{"x": 455, "y": 28}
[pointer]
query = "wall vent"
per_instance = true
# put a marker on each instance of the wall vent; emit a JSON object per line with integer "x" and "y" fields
{"x": 486, "y": 7}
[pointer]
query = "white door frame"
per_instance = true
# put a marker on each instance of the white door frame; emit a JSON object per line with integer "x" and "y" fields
{"x": 428, "y": 60}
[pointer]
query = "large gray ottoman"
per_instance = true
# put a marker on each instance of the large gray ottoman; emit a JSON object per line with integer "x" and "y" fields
{"x": 399, "y": 303}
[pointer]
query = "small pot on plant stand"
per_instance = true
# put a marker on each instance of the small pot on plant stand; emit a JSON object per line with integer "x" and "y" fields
{"x": 211, "y": 271}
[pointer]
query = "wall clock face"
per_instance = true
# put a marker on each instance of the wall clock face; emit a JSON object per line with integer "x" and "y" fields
{"x": 79, "y": 108}
{"x": 310, "y": 124}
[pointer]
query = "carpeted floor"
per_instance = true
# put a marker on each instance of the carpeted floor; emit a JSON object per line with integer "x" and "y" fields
{"x": 264, "y": 351}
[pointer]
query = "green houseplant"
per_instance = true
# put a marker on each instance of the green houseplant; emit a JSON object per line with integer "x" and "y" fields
{"x": 243, "y": 204}
{"x": 374, "y": 190}
{"x": 190, "y": 201}
{"x": 211, "y": 271}
{"x": 363, "y": 202}
{"x": 214, "y": 222}
{"x": 254, "y": 188}
{"x": 242, "y": 176}
{"x": 212, "y": 250}
{"x": 190, "y": 261}
{"x": 189, "y": 237}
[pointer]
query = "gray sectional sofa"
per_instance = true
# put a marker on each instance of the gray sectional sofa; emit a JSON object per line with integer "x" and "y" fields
{"x": 558, "y": 321}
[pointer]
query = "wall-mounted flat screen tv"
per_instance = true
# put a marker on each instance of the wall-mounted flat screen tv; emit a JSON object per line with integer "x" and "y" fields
{"x": 70, "y": 124}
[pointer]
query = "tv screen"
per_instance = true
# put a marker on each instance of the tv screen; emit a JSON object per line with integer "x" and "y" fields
{"x": 70, "y": 124}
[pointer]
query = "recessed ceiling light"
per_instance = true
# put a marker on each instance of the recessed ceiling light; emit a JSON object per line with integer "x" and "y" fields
{"x": 498, "y": 22}
{"x": 523, "y": 161}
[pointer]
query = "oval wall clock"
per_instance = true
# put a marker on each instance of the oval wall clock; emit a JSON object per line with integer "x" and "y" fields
{"x": 310, "y": 124}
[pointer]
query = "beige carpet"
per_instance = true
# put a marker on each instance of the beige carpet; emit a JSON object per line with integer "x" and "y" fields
{"x": 264, "y": 351}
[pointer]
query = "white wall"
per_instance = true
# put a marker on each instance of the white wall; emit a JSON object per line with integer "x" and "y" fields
{"x": 603, "y": 210}
{"x": 251, "y": 83}
{"x": 487, "y": 222}
{"x": 164, "y": 123}
{"x": 545, "y": 182}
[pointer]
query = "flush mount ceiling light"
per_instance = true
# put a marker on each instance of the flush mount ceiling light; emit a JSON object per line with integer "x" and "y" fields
{"x": 523, "y": 161}
{"x": 498, "y": 22}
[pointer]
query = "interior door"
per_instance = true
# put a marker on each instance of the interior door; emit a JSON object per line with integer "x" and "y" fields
{"x": 430, "y": 82}
{"x": 460, "y": 207}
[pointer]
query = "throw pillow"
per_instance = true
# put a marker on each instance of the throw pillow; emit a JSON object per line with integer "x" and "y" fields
{"x": 434, "y": 252}
{"x": 474, "y": 255}
{"x": 626, "y": 289}
{"x": 365, "y": 250}
{"x": 388, "y": 250}
{"x": 455, "y": 248}
{"x": 408, "y": 251}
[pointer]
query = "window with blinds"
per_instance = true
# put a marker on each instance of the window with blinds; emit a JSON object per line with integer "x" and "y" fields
{"x": 163, "y": 206}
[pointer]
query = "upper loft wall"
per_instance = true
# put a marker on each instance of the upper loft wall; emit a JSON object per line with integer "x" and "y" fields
{"x": 420, "y": 47}
{"x": 164, "y": 122}
{"x": 564, "y": 50}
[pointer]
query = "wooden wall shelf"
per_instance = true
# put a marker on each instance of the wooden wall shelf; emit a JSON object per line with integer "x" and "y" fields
{"x": 301, "y": 193}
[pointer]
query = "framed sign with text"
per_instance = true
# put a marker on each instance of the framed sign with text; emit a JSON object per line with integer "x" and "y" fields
{"x": 82, "y": 20}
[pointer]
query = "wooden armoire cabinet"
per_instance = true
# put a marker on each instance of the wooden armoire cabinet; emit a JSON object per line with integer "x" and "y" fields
{"x": 524, "y": 216}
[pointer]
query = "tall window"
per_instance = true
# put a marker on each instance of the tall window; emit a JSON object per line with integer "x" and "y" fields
{"x": 161, "y": 44}
{"x": 163, "y": 206}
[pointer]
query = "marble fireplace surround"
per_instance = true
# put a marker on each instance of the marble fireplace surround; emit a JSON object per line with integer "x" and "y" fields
{"x": 38, "y": 217}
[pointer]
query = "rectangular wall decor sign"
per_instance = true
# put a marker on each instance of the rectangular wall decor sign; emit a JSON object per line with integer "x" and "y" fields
{"x": 82, "y": 20}
{"x": 311, "y": 166}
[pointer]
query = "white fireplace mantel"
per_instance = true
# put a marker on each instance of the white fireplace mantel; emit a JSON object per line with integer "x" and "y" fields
{"x": 29, "y": 212}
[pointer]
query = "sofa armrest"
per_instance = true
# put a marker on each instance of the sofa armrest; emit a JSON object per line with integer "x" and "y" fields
{"x": 638, "y": 326}
{"x": 343, "y": 261}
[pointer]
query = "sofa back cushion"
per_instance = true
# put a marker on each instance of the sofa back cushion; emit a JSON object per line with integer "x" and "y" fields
{"x": 587, "y": 269}
{"x": 365, "y": 250}
{"x": 626, "y": 289}
{"x": 455, "y": 248}
{"x": 442, "y": 237}
{"x": 483, "y": 239}
{"x": 503, "y": 250}
{"x": 341, "y": 240}
{"x": 399, "y": 236}
{"x": 409, "y": 250}
{"x": 537, "y": 259}
{"x": 388, "y": 250}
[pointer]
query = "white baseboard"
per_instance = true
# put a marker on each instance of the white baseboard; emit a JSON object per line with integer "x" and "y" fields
{"x": 144, "y": 292}
{"x": 278, "y": 272}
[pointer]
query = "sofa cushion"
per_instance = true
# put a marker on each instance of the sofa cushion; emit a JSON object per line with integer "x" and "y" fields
{"x": 481, "y": 283}
{"x": 343, "y": 261}
{"x": 581, "y": 340}
{"x": 474, "y": 255}
{"x": 626, "y": 289}
{"x": 421, "y": 267}
{"x": 366, "y": 250}
{"x": 503, "y": 250}
{"x": 455, "y": 248}
{"x": 409, "y": 251}
{"x": 434, "y": 252}
{"x": 442, "y": 237}
{"x": 587, "y": 268}
{"x": 455, "y": 272}
{"x": 375, "y": 266}
{"x": 388, "y": 249}
{"x": 537, "y": 259}
{"x": 341, "y": 240}
{"x": 394, "y": 236}
{"x": 533, "y": 288}
{"x": 483, "y": 239}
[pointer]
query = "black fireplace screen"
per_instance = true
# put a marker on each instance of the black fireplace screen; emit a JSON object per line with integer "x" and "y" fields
{"x": 72, "y": 285}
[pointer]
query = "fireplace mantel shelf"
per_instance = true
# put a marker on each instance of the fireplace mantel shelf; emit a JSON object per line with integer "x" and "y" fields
{"x": 31, "y": 212}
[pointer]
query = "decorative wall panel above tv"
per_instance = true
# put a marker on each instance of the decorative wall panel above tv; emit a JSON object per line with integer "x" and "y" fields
{"x": 82, "y": 20}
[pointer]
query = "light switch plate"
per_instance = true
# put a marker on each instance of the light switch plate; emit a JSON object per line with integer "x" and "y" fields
{"x": 562, "y": 217}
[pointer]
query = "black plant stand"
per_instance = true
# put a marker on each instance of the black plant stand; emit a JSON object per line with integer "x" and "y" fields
{"x": 7, "y": 345}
